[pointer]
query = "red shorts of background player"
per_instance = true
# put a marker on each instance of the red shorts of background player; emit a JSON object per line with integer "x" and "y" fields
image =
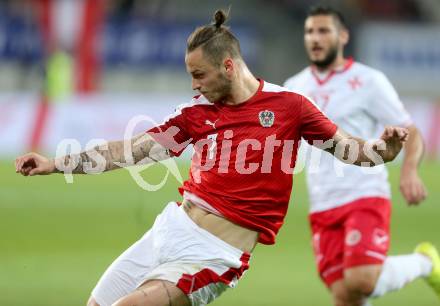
{"x": 351, "y": 235}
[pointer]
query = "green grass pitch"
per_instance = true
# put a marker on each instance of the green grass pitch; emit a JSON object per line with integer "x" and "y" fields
{"x": 56, "y": 239}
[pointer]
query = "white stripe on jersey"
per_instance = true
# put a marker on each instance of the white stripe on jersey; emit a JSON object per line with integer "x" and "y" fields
{"x": 199, "y": 100}
{"x": 269, "y": 87}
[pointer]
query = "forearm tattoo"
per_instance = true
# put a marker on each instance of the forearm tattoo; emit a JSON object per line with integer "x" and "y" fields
{"x": 141, "y": 149}
{"x": 353, "y": 150}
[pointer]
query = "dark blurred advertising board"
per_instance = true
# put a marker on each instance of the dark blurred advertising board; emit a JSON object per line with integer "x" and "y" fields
{"x": 130, "y": 42}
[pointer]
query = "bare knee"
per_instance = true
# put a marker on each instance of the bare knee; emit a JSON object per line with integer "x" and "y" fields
{"x": 359, "y": 285}
{"x": 339, "y": 293}
{"x": 92, "y": 302}
{"x": 362, "y": 280}
{"x": 354, "y": 294}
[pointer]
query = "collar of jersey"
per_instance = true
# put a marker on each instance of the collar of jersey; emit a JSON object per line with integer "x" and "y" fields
{"x": 332, "y": 72}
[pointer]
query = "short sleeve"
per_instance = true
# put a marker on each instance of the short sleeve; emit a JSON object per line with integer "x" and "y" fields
{"x": 173, "y": 133}
{"x": 314, "y": 124}
{"x": 386, "y": 106}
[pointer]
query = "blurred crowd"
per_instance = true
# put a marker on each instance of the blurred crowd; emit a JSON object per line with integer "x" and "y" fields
{"x": 118, "y": 44}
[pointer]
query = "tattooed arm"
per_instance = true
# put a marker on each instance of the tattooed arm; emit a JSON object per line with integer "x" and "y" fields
{"x": 353, "y": 150}
{"x": 141, "y": 149}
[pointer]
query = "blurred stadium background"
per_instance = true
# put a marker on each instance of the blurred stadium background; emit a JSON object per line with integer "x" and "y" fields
{"x": 80, "y": 69}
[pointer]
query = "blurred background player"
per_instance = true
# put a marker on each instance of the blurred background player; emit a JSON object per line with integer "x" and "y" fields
{"x": 350, "y": 210}
{"x": 196, "y": 250}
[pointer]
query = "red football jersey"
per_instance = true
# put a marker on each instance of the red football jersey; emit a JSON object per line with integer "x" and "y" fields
{"x": 244, "y": 154}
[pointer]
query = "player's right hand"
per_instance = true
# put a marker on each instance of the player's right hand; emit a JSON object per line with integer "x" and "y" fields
{"x": 394, "y": 138}
{"x": 34, "y": 164}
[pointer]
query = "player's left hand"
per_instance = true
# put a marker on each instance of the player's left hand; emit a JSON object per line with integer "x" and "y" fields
{"x": 34, "y": 164}
{"x": 412, "y": 187}
{"x": 394, "y": 138}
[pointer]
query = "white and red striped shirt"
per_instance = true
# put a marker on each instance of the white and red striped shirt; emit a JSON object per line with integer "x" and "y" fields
{"x": 361, "y": 101}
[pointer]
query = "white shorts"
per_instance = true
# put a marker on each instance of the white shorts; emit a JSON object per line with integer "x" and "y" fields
{"x": 177, "y": 250}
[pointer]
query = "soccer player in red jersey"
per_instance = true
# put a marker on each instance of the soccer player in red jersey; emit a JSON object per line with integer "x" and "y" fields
{"x": 245, "y": 134}
{"x": 349, "y": 207}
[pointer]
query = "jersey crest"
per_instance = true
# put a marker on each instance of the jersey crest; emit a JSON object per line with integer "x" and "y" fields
{"x": 267, "y": 118}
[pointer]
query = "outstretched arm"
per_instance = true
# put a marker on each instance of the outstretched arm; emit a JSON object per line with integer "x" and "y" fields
{"x": 141, "y": 149}
{"x": 353, "y": 150}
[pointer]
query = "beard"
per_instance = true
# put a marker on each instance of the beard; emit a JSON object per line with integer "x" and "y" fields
{"x": 328, "y": 59}
{"x": 221, "y": 91}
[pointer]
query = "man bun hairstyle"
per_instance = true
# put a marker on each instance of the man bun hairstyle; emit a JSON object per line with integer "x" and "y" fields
{"x": 219, "y": 18}
{"x": 215, "y": 39}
